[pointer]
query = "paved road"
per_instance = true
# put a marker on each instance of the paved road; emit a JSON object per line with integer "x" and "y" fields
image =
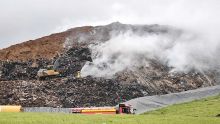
{"x": 148, "y": 103}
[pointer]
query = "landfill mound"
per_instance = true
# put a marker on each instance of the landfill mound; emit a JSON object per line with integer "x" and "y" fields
{"x": 69, "y": 52}
{"x": 83, "y": 92}
{"x": 69, "y": 63}
{"x": 43, "y": 48}
{"x": 72, "y": 60}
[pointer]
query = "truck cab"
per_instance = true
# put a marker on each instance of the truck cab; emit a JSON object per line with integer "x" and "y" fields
{"x": 125, "y": 109}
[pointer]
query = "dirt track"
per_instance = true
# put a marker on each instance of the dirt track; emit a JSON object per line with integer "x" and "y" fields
{"x": 149, "y": 103}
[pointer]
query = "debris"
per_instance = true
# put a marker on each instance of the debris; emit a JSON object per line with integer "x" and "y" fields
{"x": 82, "y": 92}
{"x": 68, "y": 63}
{"x": 72, "y": 61}
{"x": 19, "y": 85}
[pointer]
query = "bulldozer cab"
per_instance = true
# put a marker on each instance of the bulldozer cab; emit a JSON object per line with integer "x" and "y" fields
{"x": 47, "y": 73}
{"x": 50, "y": 67}
{"x": 78, "y": 74}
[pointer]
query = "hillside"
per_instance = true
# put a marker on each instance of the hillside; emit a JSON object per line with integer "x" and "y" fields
{"x": 49, "y": 46}
{"x": 113, "y": 60}
{"x": 46, "y": 47}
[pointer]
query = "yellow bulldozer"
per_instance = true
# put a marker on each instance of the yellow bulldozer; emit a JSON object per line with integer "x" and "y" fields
{"x": 47, "y": 73}
{"x": 50, "y": 72}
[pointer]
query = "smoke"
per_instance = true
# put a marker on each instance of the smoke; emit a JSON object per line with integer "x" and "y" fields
{"x": 197, "y": 47}
{"x": 183, "y": 52}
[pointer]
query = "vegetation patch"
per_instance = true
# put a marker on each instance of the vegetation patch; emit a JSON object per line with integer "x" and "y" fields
{"x": 197, "y": 112}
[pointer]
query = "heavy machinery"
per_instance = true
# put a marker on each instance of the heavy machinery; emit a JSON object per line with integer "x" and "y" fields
{"x": 120, "y": 109}
{"x": 78, "y": 74}
{"x": 125, "y": 109}
{"x": 94, "y": 110}
{"x": 47, "y": 73}
{"x": 68, "y": 64}
{"x": 50, "y": 72}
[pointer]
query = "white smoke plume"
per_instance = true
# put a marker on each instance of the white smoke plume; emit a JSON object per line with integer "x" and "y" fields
{"x": 184, "y": 52}
{"x": 196, "y": 48}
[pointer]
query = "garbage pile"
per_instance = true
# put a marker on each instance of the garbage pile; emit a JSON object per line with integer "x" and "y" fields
{"x": 83, "y": 92}
{"x": 19, "y": 84}
{"x": 160, "y": 80}
{"x": 90, "y": 91}
{"x": 18, "y": 70}
{"x": 68, "y": 63}
{"x": 73, "y": 60}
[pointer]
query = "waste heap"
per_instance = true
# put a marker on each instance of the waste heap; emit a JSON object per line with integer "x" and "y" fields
{"x": 18, "y": 83}
{"x": 17, "y": 71}
{"x": 72, "y": 61}
{"x": 68, "y": 64}
{"x": 21, "y": 87}
{"x": 83, "y": 92}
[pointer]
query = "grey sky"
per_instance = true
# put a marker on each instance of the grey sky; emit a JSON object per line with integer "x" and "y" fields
{"x": 22, "y": 20}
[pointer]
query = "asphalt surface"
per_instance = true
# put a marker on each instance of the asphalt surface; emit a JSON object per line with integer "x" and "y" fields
{"x": 149, "y": 103}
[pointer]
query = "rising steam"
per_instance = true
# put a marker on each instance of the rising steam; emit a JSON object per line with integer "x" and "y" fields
{"x": 183, "y": 52}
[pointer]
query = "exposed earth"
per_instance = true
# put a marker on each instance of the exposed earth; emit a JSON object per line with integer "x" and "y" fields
{"x": 20, "y": 64}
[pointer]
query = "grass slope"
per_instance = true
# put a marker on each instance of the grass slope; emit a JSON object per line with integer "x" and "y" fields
{"x": 197, "y": 112}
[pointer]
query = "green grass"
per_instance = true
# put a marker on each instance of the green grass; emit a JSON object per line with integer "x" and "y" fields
{"x": 197, "y": 112}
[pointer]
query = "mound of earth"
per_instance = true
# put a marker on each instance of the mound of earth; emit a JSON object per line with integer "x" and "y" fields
{"x": 71, "y": 92}
{"x": 43, "y": 48}
{"x": 69, "y": 51}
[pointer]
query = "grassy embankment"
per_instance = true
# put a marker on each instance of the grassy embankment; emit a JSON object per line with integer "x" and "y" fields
{"x": 197, "y": 112}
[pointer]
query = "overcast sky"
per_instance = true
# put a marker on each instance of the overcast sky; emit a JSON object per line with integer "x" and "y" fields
{"x": 22, "y": 20}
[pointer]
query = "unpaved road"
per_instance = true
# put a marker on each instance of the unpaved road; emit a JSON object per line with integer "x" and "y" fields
{"x": 148, "y": 103}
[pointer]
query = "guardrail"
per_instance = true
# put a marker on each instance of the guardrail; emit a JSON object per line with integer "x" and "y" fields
{"x": 47, "y": 109}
